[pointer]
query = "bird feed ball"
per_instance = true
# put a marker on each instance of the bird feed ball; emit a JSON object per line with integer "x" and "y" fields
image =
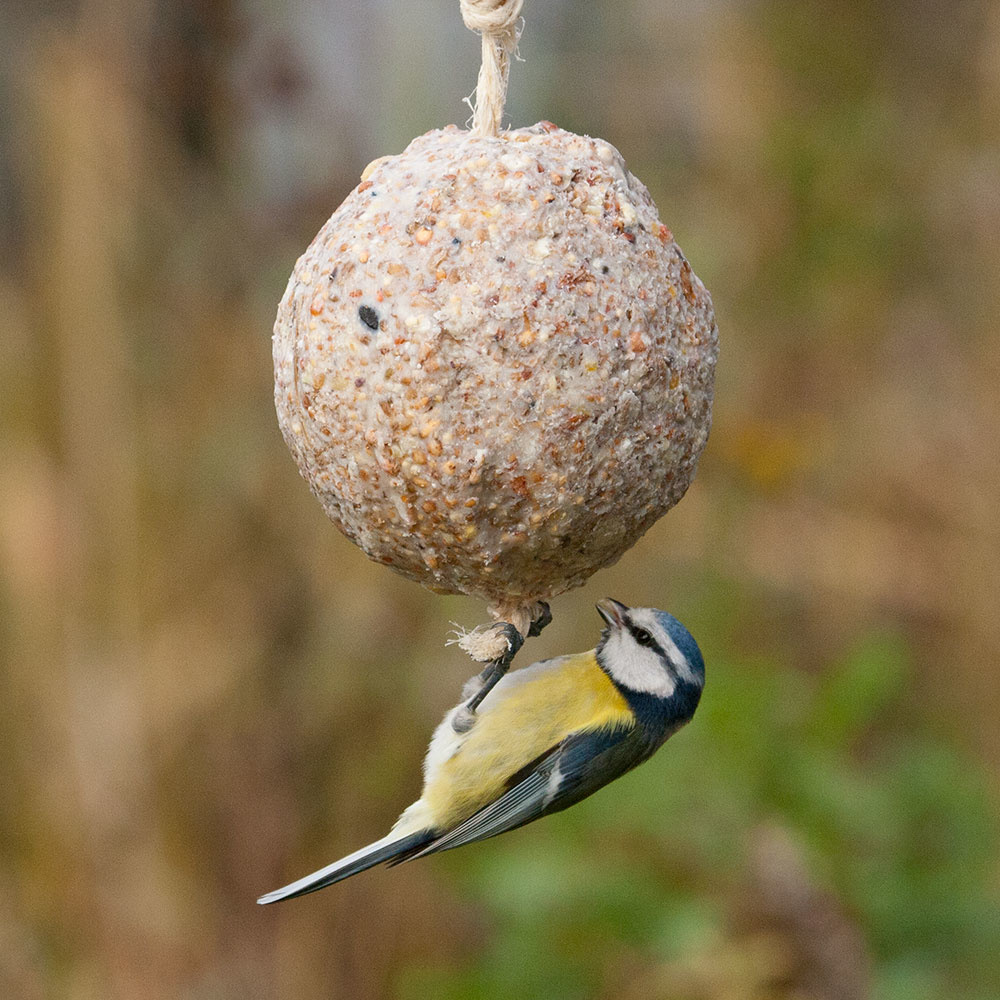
{"x": 494, "y": 365}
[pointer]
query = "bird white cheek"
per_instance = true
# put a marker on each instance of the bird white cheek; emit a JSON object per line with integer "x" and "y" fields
{"x": 636, "y": 667}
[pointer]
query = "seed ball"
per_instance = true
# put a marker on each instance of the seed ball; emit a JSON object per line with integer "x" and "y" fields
{"x": 493, "y": 365}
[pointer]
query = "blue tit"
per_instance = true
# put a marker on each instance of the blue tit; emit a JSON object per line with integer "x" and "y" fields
{"x": 548, "y": 736}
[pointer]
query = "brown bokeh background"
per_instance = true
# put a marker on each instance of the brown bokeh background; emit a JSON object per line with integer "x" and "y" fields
{"x": 207, "y": 691}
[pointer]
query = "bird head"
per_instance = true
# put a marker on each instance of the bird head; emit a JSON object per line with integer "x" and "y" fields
{"x": 648, "y": 651}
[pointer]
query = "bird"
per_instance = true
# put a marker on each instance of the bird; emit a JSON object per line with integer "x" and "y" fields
{"x": 549, "y": 735}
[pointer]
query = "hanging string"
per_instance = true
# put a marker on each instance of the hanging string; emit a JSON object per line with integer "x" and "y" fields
{"x": 498, "y": 21}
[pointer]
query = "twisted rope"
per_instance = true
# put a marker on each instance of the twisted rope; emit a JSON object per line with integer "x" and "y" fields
{"x": 498, "y": 23}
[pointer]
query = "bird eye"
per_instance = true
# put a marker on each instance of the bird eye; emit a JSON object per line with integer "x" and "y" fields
{"x": 642, "y": 637}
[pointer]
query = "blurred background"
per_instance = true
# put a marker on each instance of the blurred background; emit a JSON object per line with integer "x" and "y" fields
{"x": 206, "y": 691}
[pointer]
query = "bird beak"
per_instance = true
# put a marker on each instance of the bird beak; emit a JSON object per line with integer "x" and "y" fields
{"x": 613, "y": 612}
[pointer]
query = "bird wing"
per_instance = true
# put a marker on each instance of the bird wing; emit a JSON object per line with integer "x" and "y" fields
{"x": 570, "y": 771}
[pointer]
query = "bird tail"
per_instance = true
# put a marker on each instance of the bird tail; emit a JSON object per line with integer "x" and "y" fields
{"x": 390, "y": 848}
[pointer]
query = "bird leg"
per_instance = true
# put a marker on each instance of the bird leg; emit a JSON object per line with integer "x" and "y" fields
{"x": 465, "y": 717}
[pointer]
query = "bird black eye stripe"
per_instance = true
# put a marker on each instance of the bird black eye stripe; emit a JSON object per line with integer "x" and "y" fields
{"x": 645, "y": 638}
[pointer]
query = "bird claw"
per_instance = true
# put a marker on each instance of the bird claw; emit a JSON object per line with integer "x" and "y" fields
{"x": 514, "y": 642}
{"x": 544, "y": 618}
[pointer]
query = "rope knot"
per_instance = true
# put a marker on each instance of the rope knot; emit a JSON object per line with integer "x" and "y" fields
{"x": 493, "y": 16}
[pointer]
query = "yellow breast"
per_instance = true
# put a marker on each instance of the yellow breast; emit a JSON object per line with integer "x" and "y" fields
{"x": 529, "y": 712}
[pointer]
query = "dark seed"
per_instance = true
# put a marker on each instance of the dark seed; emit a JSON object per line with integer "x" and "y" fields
{"x": 369, "y": 317}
